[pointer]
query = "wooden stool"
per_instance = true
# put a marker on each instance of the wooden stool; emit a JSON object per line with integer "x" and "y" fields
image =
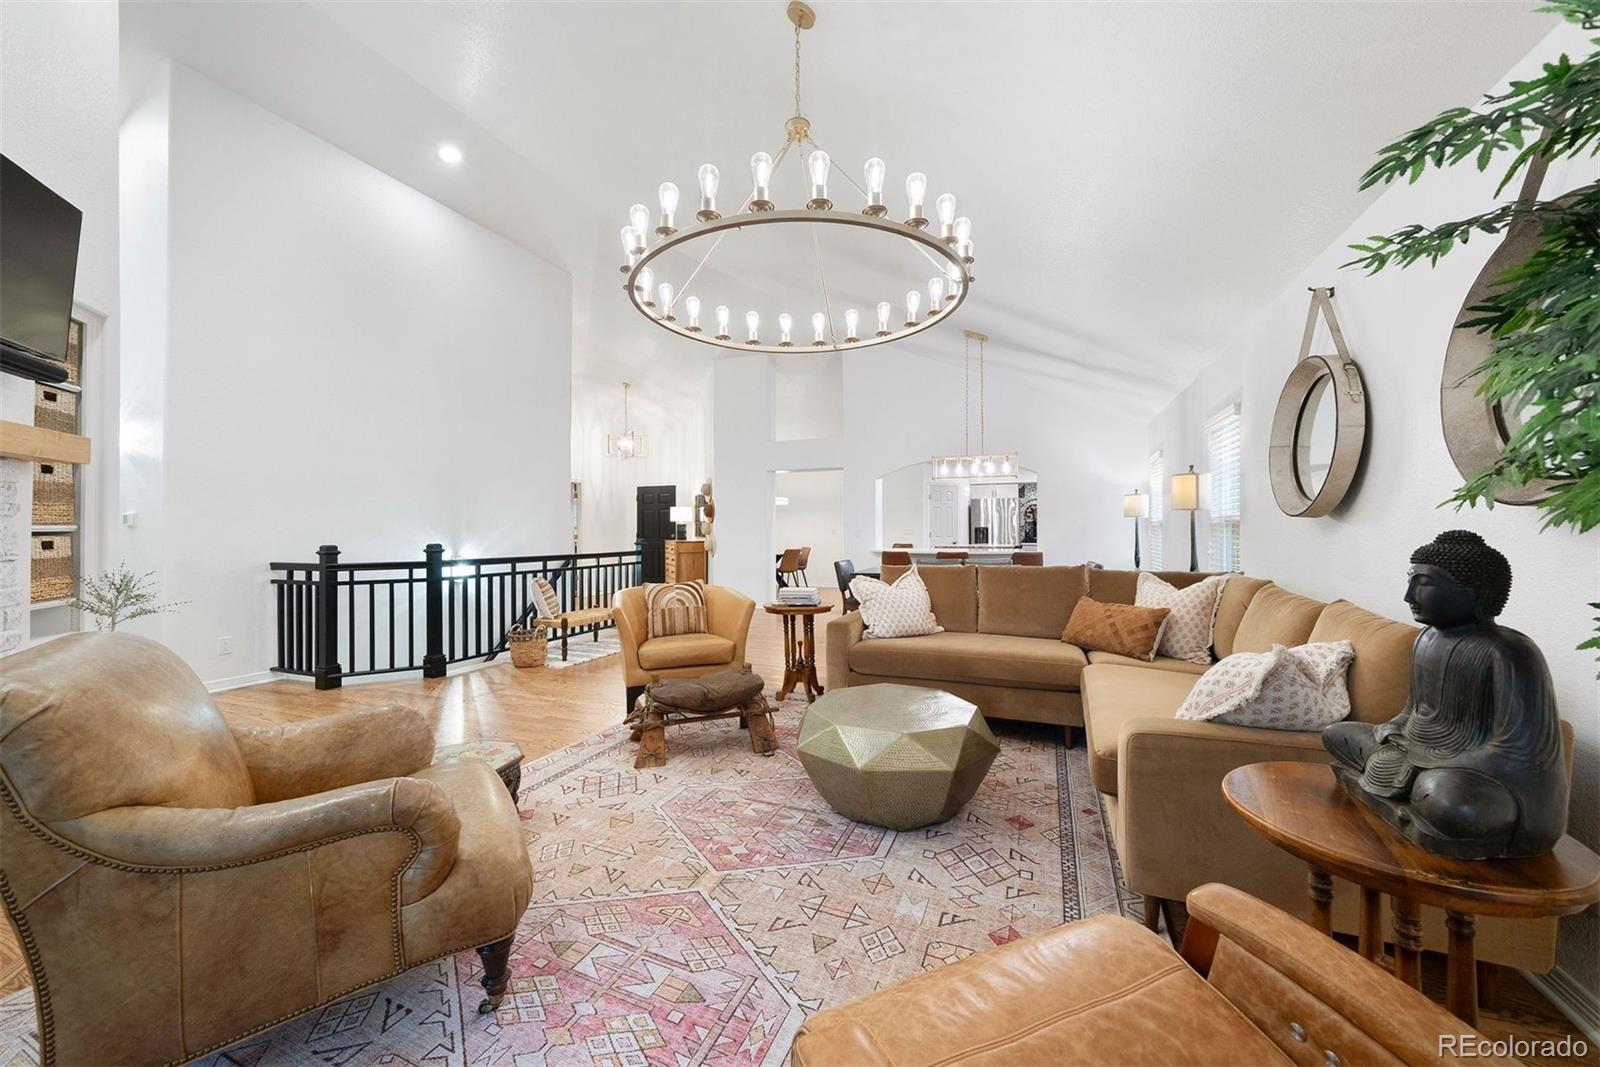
{"x": 651, "y": 721}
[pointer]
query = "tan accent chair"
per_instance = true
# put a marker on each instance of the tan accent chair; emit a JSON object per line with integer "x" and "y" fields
{"x": 1252, "y": 986}
{"x": 728, "y": 613}
{"x": 178, "y": 883}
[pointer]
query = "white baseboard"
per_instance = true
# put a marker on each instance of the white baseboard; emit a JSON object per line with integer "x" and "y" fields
{"x": 240, "y": 681}
{"x": 1578, "y": 1004}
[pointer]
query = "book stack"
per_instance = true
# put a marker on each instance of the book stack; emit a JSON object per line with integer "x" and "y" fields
{"x": 799, "y": 596}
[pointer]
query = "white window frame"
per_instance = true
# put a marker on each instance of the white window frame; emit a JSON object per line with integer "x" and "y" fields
{"x": 1156, "y": 473}
{"x": 1223, "y": 458}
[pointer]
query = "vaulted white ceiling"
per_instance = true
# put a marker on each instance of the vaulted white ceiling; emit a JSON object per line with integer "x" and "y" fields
{"x": 1141, "y": 176}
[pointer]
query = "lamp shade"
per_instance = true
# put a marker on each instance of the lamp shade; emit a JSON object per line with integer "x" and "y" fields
{"x": 1136, "y": 506}
{"x": 1186, "y": 490}
{"x": 680, "y": 513}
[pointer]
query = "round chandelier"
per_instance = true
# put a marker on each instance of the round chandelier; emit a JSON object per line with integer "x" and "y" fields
{"x": 932, "y": 290}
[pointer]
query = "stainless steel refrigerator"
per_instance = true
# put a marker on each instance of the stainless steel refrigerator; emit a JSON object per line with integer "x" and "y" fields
{"x": 995, "y": 520}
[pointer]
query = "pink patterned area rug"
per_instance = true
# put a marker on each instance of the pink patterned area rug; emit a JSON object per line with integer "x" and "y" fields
{"x": 698, "y": 912}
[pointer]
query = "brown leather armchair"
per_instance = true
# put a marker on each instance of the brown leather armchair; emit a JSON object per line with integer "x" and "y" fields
{"x": 728, "y": 613}
{"x": 178, "y": 883}
{"x": 1252, "y": 986}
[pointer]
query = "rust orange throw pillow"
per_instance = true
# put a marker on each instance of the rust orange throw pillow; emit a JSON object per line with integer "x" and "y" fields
{"x": 1120, "y": 628}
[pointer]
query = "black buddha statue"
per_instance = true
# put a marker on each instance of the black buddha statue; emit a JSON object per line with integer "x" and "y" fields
{"x": 1473, "y": 767}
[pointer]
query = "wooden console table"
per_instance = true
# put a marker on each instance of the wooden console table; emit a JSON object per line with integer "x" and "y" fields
{"x": 1302, "y": 808}
{"x": 799, "y": 647}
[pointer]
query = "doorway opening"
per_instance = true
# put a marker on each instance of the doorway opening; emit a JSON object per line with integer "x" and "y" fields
{"x": 808, "y": 523}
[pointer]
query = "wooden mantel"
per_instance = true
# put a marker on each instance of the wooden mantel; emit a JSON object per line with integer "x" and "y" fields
{"x": 21, "y": 441}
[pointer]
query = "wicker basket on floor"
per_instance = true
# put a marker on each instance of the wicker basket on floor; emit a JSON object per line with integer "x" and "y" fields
{"x": 529, "y": 645}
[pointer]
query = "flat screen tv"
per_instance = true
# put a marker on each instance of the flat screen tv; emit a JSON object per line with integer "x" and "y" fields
{"x": 38, "y": 262}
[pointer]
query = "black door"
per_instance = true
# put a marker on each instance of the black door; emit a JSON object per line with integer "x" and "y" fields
{"x": 654, "y": 526}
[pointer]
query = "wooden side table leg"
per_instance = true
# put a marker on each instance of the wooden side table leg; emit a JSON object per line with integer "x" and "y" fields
{"x": 1407, "y": 941}
{"x": 1370, "y": 936}
{"x": 1461, "y": 988}
{"x": 1321, "y": 883}
{"x": 790, "y": 675}
{"x": 813, "y": 687}
{"x": 1488, "y": 985}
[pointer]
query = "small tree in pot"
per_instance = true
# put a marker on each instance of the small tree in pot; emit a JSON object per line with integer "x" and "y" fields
{"x": 120, "y": 596}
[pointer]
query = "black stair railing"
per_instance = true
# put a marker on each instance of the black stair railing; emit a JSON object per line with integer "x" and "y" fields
{"x": 338, "y": 620}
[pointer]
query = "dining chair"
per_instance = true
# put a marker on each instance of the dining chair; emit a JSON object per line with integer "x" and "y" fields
{"x": 844, "y": 571}
{"x": 901, "y": 544}
{"x": 1027, "y": 559}
{"x": 788, "y": 566}
{"x": 896, "y": 559}
{"x": 955, "y": 554}
{"x": 802, "y": 562}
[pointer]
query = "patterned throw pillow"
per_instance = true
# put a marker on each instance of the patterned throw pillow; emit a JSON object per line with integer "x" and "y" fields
{"x": 674, "y": 608}
{"x": 1194, "y": 611}
{"x": 899, "y": 610}
{"x": 1121, "y": 628}
{"x": 547, "y": 605}
{"x": 1300, "y": 688}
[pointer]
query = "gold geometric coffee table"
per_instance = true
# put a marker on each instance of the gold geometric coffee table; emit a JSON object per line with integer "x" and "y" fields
{"x": 895, "y": 755}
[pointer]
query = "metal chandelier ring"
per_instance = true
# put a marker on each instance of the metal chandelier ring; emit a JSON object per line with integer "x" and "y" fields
{"x": 886, "y": 226}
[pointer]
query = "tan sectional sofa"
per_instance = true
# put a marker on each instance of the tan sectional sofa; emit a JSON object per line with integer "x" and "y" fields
{"x": 1160, "y": 777}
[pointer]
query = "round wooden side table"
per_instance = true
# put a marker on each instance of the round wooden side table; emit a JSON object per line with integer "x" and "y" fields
{"x": 799, "y": 647}
{"x": 1302, "y": 808}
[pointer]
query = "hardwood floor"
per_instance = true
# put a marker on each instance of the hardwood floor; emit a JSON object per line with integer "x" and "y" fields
{"x": 544, "y": 710}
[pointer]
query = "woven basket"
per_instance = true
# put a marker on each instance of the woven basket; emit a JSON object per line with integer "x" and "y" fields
{"x": 55, "y": 409}
{"x": 54, "y": 501}
{"x": 74, "y": 350}
{"x": 529, "y": 646}
{"x": 54, "y": 573}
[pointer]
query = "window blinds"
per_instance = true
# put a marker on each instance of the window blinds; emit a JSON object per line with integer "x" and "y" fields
{"x": 1158, "y": 500}
{"x": 1222, "y": 452}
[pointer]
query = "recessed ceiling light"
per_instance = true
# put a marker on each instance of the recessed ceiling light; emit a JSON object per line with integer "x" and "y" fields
{"x": 449, "y": 153}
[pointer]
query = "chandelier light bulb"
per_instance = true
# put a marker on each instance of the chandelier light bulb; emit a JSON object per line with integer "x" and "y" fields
{"x": 647, "y": 286}
{"x": 916, "y": 193}
{"x": 761, "y": 178}
{"x": 883, "y": 318}
{"x": 722, "y": 323}
{"x": 752, "y": 322}
{"x": 953, "y": 277}
{"x": 935, "y": 295}
{"x": 691, "y": 304}
{"x": 913, "y": 302}
{"x": 665, "y": 299}
{"x": 819, "y": 164}
{"x": 628, "y": 243}
{"x": 944, "y": 468}
{"x": 874, "y": 172}
{"x": 1005, "y": 466}
{"x": 709, "y": 177}
{"x": 946, "y": 207}
{"x": 639, "y": 216}
{"x": 963, "y": 236}
{"x": 852, "y": 319}
{"x": 961, "y": 469}
{"x": 667, "y": 193}
{"x": 819, "y": 323}
{"x": 785, "y": 324}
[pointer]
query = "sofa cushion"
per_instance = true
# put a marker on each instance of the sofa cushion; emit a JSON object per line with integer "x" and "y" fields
{"x": 1301, "y": 688}
{"x": 1118, "y": 587}
{"x": 1380, "y": 677}
{"x": 953, "y": 592}
{"x": 685, "y": 650}
{"x": 991, "y": 659}
{"x": 1277, "y": 617}
{"x": 1029, "y": 601}
{"x": 1236, "y": 597}
{"x": 899, "y": 610}
{"x": 1160, "y": 663}
{"x": 1187, "y": 634}
{"x": 1120, "y": 628}
{"x": 1113, "y": 695}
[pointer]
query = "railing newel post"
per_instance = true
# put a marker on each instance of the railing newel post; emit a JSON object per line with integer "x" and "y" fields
{"x": 433, "y": 660}
{"x": 325, "y": 670}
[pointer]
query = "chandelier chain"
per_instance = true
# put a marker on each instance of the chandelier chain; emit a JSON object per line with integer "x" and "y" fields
{"x": 966, "y": 395}
{"x": 797, "y": 69}
{"x": 983, "y": 402}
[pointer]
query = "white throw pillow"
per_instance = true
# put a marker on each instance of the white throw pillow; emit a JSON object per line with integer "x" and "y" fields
{"x": 899, "y": 610}
{"x": 1194, "y": 612}
{"x": 1300, "y": 688}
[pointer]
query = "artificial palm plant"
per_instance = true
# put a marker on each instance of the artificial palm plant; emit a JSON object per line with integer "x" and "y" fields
{"x": 1545, "y": 314}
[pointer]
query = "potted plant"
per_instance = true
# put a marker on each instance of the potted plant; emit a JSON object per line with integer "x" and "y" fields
{"x": 120, "y": 596}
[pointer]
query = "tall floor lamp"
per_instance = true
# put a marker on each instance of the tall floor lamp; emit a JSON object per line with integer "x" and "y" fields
{"x": 1186, "y": 497}
{"x": 1135, "y": 506}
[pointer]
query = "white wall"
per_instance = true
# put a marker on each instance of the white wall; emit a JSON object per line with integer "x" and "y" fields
{"x": 58, "y": 121}
{"x": 1397, "y": 325}
{"x": 347, "y": 362}
{"x": 902, "y": 405}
